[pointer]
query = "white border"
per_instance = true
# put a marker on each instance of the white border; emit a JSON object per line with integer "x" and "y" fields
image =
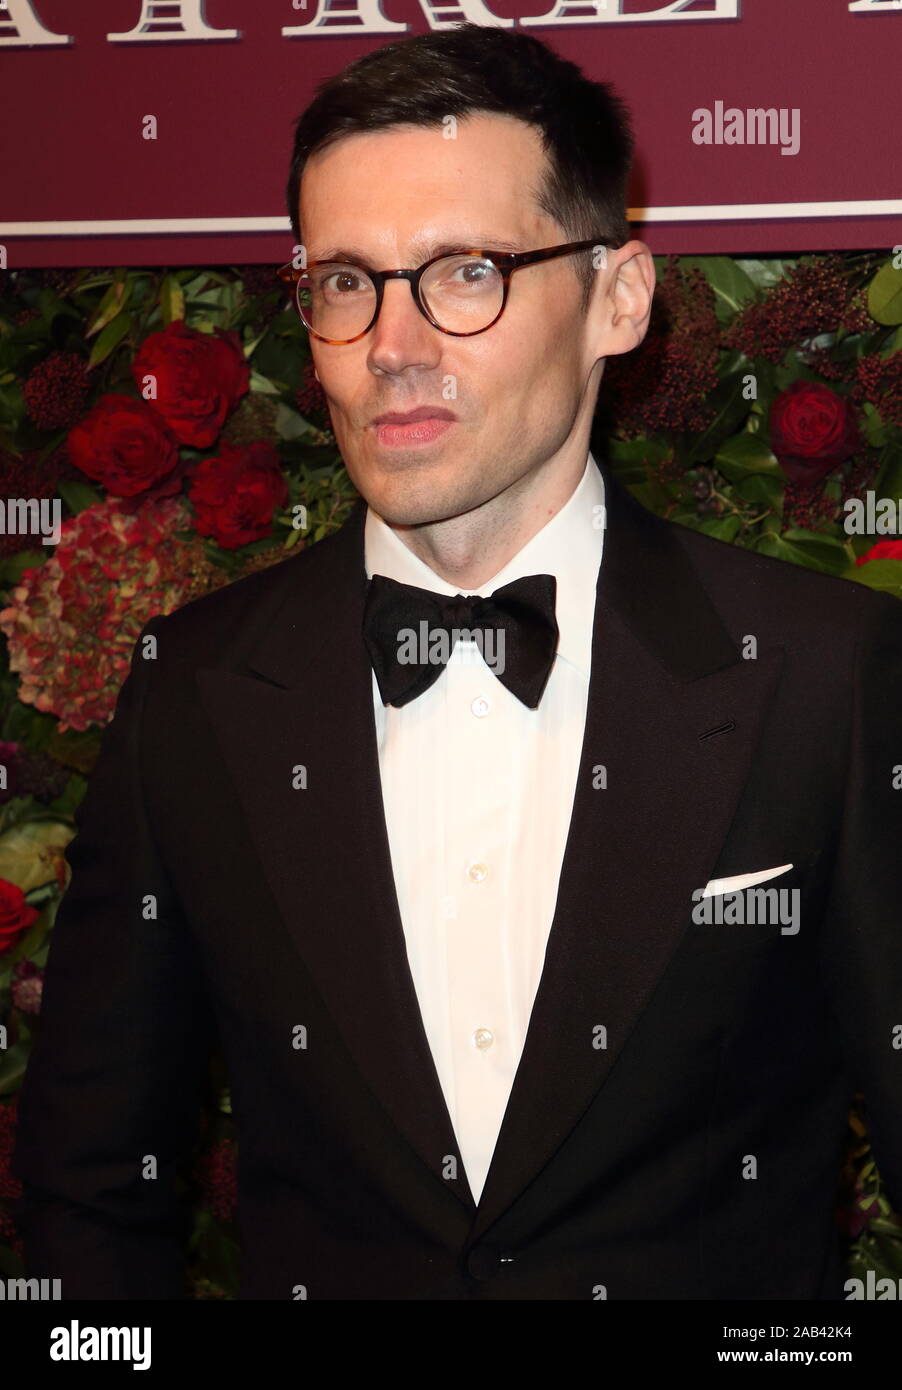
{"x": 707, "y": 212}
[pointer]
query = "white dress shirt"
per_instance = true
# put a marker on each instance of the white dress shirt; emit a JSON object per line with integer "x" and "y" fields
{"x": 478, "y": 794}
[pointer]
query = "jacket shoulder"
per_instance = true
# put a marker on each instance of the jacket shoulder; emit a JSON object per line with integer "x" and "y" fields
{"x": 791, "y": 598}
{"x": 224, "y": 620}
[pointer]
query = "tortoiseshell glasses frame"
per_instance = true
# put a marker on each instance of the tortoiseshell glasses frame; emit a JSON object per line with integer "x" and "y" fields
{"x": 506, "y": 262}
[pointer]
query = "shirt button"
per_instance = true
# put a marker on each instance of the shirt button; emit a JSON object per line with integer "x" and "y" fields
{"x": 480, "y": 707}
{"x": 477, "y": 872}
{"x": 483, "y": 1038}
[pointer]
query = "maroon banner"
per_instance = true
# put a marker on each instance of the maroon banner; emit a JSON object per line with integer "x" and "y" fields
{"x": 148, "y": 132}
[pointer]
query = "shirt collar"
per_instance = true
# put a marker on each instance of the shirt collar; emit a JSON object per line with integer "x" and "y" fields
{"x": 569, "y": 546}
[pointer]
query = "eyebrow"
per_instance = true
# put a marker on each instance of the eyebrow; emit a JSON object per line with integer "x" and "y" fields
{"x": 425, "y": 250}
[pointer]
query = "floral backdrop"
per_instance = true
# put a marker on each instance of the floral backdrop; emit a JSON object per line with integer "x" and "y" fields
{"x": 176, "y": 415}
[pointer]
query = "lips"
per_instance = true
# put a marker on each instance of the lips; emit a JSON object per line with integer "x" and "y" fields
{"x": 411, "y": 417}
{"x": 412, "y": 429}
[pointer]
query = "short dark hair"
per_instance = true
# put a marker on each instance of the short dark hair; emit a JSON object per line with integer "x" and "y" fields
{"x": 586, "y": 128}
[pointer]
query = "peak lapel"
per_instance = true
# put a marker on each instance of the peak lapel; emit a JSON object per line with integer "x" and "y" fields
{"x": 305, "y": 699}
{"x": 664, "y": 673}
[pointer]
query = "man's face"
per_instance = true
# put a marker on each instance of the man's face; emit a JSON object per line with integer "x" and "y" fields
{"x": 394, "y": 197}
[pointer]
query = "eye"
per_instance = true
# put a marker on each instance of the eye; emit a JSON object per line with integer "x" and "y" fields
{"x": 342, "y": 282}
{"x": 474, "y": 272}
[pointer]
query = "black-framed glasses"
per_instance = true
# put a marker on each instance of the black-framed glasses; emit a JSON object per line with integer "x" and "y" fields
{"x": 461, "y": 293}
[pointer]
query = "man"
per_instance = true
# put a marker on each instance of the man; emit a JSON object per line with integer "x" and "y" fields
{"x": 452, "y": 912}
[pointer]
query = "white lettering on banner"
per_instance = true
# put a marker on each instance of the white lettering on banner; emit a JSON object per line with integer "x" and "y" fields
{"x": 336, "y": 17}
{"x": 611, "y": 12}
{"x": 173, "y": 21}
{"x": 159, "y": 16}
{"x": 21, "y": 28}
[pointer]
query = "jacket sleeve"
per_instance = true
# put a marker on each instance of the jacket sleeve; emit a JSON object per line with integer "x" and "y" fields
{"x": 110, "y": 1100}
{"x": 862, "y": 942}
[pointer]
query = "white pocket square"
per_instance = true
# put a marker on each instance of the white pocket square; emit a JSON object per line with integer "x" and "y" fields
{"x": 716, "y": 886}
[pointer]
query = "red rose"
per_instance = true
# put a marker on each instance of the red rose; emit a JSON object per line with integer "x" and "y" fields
{"x": 15, "y": 914}
{"x": 236, "y": 493}
{"x": 125, "y": 446}
{"x": 812, "y": 429}
{"x": 883, "y": 550}
{"x": 198, "y": 379}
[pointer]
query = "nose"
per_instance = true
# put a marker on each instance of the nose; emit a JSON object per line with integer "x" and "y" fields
{"x": 402, "y": 336}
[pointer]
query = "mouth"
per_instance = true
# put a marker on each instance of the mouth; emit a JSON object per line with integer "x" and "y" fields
{"x": 412, "y": 427}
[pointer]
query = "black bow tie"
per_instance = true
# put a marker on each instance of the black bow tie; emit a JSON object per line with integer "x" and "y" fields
{"x": 400, "y": 624}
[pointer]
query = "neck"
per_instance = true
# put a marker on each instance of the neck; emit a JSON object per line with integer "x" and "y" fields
{"x": 469, "y": 549}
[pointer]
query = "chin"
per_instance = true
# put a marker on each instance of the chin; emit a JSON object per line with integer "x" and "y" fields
{"x": 409, "y": 495}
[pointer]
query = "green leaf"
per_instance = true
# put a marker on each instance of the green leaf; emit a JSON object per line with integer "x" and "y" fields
{"x": 762, "y": 489}
{"x": 746, "y": 453}
{"x": 888, "y": 482}
{"x": 873, "y": 427}
{"x": 722, "y": 528}
{"x": 765, "y": 274}
{"x": 825, "y": 553}
{"x": 110, "y": 339}
{"x": 30, "y": 941}
{"x": 109, "y": 308}
{"x": 769, "y": 543}
{"x": 77, "y": 495}
{"x": 289, "y": 424}
{"x": 731, "y": 285}
{"x": 27, "y": 851}
{"x": 263, "y": 385}
{"x": 885, "y": 295}
{"x": 730, "y": 410}
{"x": 12, "y": 567}
{"x": 172, "y": 300}
{"x": 885, "y": 575}
{"x": 13, "y": 1061}
{"x": 68, "y": 802}
{"x": 652, "y": 494}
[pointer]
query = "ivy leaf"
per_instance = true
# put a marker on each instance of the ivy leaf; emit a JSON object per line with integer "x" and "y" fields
{"x": 885, "y": 575}
{"x": 744, "y": 454}
{"x": 825, "y": 553}
{"x": 730, "y": 409}
{"x": 76, "y": 495}
{"x": 731, "y": 285}
{"x": 885, "y": 295}
{"x": 12, "y": 567}
{"x": 722, "y": 528}
{"x": 762, "y": 489}
{"x": 795, "y": 552}
{"x": 765, "y": 274}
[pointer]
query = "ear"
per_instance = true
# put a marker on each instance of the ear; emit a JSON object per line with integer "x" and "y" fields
{"x": 625, "y": 290}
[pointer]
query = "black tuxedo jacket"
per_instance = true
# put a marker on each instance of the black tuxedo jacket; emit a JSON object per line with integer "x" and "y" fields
{"x": 691, "y": 1150}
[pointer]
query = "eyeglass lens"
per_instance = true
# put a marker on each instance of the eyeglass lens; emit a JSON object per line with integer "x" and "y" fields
{"x": 462, "y": 293}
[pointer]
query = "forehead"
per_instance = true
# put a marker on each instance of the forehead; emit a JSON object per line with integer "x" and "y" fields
{"x": 393, "y": 186}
